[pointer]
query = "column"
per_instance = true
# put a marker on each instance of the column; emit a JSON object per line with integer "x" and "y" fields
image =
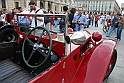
{"x": 53, "y": 6}
{"x": 67, "y": 1}
{"x": 72, "y": 3}
{"x": 27, "y": 4}
{"x": 0, "y": 4}
{"x": 63, "y": 1}
{"x": 38, "y": 3}
{"x": 46, "y": 5}
{"x": 58, "y": 8}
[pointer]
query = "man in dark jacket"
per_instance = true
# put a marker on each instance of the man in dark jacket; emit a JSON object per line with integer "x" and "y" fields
{"x": 113, "y": 25}
{"x": 71, "y": 16}
{"x": 120, "y": 26}
{"x": 62, "y": 20}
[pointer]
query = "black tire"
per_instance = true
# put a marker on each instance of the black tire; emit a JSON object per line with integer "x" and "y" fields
{"x": 8, "y": 34}
{"x": 111, "y": 64}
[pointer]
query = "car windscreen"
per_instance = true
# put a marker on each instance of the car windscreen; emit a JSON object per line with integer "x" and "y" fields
{"x": 53, "y": 22}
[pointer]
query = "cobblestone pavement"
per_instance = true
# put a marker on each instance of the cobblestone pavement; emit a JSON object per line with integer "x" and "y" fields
{"x": 117, "y": 76}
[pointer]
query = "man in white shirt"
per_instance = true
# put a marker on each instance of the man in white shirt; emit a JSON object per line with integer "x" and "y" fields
{"x": 36, "y": 10}
{"x": 108, "y": 16}
{"x": 102, "y": 18}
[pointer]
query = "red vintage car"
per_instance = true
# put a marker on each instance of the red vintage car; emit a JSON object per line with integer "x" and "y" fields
{"x": 42, "y": 55}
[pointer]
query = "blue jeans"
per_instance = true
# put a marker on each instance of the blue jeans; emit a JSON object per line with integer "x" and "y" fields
{"x": 110, "y": 31}
{"x": 102, "y": 21}
{"x": 92, "y": 21}
{"x": 119, "y": 30}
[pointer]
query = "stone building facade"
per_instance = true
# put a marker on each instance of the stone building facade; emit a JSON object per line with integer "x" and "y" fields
{"x": 122, "y": 8}
{"x": 99, "y": 6}
{"x": 55, "y": 5}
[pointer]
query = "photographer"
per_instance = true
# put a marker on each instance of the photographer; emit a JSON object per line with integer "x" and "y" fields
{"x": 79, "y": 20}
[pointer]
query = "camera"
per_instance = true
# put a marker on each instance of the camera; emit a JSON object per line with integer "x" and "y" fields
{"x": 78, "y": 21}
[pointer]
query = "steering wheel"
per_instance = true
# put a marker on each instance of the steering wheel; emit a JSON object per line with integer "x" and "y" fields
{"x": 36, "y": 47}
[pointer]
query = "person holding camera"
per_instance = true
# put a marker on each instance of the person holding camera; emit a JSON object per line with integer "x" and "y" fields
{"x": 79, "y": 20}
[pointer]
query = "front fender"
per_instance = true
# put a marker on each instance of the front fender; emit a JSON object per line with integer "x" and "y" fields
{"x": 94, "y": 68}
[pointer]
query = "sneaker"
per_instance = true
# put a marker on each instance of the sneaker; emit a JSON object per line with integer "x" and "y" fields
{"x": 118, "y": 39}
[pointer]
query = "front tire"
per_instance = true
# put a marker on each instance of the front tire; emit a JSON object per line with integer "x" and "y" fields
{"x": 111, "y": 64}
{"x": 8, "y": 35}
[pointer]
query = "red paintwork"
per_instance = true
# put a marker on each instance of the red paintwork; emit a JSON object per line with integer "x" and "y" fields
{"x": 77, "y": 67}
{"x": 90, "y": 68}
{"x": 111, "y": 63}
{"x": 96, "y": 64}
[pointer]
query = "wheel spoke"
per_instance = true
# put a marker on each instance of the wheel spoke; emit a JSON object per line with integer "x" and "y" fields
{"x": 30, "y": 55}
{"x": 39, "y": 50}
{"x": 37, "y": 47}
{"x": 40, "y": 37}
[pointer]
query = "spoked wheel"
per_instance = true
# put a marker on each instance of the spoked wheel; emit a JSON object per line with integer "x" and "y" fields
{"x": 36, "y": 47}
{"x": 8, "y": 34}
{"x": 111, "y": 64}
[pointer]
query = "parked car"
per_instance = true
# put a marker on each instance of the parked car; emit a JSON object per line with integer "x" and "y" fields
{"x": 44, "y": 56}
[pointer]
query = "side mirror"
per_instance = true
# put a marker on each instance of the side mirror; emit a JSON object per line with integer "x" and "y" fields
{"x": 78, "y": 37}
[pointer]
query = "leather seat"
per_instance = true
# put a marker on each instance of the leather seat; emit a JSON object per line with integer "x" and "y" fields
{"x": 12, "y": 73}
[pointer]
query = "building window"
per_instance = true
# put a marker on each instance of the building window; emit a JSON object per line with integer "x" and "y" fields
{"x": 55, "y": 8}
{"x": 16, "y": 5}
{"x": 41, "y": 4}
{"x": 3, "y": 3}
{"x": 49, "y": 6}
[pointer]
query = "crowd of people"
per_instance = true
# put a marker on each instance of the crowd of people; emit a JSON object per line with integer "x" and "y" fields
{"x": 7, "y": 16}
{"x": 114, "y": 22}
{"x": 76, "y": 20}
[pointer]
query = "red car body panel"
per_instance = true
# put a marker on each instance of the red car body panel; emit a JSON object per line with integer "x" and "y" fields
{"x": 83, "y": 63}
{"x": 94, "y": 68}
{"x": 89, "y": 68}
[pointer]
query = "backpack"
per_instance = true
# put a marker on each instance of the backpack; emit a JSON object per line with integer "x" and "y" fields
{"x": 47, "y": 20}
